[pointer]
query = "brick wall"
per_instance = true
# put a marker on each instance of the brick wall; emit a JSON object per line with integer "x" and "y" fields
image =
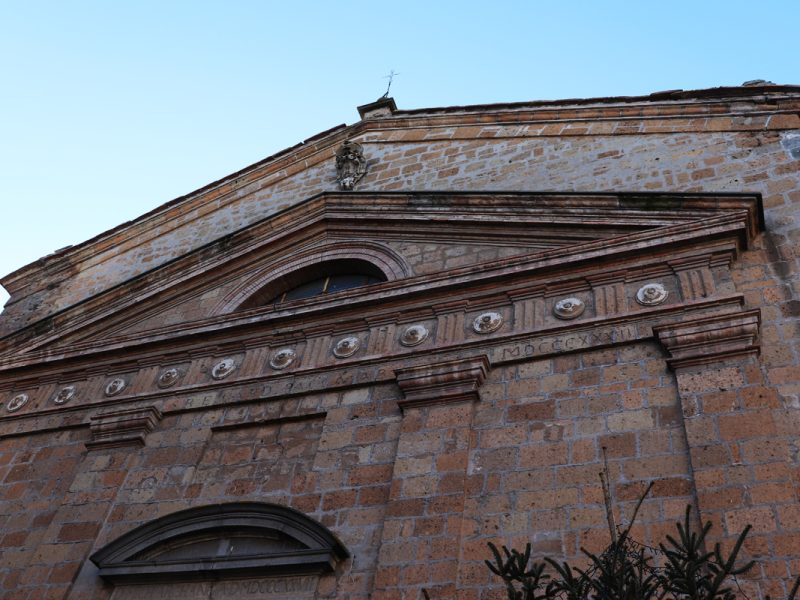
{"x": 416, "y": 490}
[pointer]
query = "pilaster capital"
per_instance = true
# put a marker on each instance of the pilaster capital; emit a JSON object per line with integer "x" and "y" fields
{"x": 444, "y": 382}
{"x": 710, "y": 339}
{"x": 122, "y": 427}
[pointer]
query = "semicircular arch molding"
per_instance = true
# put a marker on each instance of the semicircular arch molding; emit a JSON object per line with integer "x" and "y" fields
{"x": 235, "y": 539}
{"x": 377, "y": 256}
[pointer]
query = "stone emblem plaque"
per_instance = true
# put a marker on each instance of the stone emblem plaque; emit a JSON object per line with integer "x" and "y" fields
{"x": 487, "y": 322}
{"x": 346, "y": 347}
{"x": 350, "y": 164}
{"x": 115, "y": 386}
{"x": 168, "y": 378}
{"x": 64, "y": 395}
{"x": 652, "y": 294}
{"x": 17, "y": 402}
{"x": 223, "y": 368}
{"x": 282, "y": 358}
{"x": 414, "y": 335}
{"x": 569, "y": 308}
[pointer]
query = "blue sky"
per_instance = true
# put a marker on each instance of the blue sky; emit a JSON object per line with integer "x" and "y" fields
{"x": 109, "y": 109}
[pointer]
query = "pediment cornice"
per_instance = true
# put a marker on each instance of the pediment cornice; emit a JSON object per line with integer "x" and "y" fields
{"x": 598, "y": 230}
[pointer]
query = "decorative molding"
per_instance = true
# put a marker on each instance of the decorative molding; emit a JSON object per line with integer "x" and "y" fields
{"x": 451, "y": 381}
{"x": 123, "y": 427}
{"x": 721, "y": 222}
{"x": 260, "y": 382}
{"x": 710, "y": 339}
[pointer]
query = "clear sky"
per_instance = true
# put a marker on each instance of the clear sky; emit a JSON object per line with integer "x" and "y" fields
{"x": 111, "y": 108}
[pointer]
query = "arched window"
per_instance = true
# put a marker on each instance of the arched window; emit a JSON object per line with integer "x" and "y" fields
{"x": 317, "y": 279}
{"x": 236, "y": 539}
{"x": 370, "y": 262}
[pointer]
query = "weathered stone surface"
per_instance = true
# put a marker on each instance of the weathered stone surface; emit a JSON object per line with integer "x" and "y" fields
{"x": 417, "y": 451}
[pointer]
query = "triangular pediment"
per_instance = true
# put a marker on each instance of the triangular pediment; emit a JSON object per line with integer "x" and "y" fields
{"x": 424, "y": 243}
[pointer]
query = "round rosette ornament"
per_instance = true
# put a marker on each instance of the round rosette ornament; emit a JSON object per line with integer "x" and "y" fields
{"x": 115, "y": 386}
{"x": 17, "y": 402}
{"x": 168, "y": 378}
{"x": 651, "y": 294}
{"x": 64, "y": 395}
{"x": 223, "y": 368}
{"x": 487, "y": 322}
{"x": 282, "y": 358}
{"x": 346, "y": 347}
{"x": 569, "y": 308}
{"x": 414, "y": 335}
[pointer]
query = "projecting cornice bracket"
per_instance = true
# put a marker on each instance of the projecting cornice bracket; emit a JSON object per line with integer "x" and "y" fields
{"x": 710, "y": 339}
{"x": 444, "y": 382}
{"x": 127, "y": 427}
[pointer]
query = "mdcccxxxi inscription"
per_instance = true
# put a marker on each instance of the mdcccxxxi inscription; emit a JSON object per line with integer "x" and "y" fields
{"x": 563, "y": 343}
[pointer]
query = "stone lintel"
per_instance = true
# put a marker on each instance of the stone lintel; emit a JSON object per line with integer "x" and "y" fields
{"x": 710, "y": 339}
{"x": 451, "y": 381}
{"x": 122, "y": 427}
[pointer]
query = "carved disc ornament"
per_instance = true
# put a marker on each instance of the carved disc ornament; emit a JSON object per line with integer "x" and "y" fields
{"x": 64, "y": 395}
{"x": 569, "y": 308}
{"x": 168, "y": 378}
{"x": 416, "y": 334}
{"x": 282, "y": 358}
{"x": 17, "y": 402}
{"x": 115, "y": 386}
{"x": 223, "y": 368}
{"x": 487, "y": 322}
{"x": 651, "y": 294}
{"x": 350, "y": 164}
{"x": 346, "y": 347}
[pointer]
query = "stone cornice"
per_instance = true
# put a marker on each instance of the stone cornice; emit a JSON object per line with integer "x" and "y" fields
{"x": 254, "y": 381}
{"x": 710, "y": 339}
{"x": 655, "y": 220}
{"x": 456, "y": 293}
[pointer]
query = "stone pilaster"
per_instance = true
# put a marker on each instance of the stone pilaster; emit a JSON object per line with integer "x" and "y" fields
{"x": 422, "y": 531}
{"x": 740, "y": 439}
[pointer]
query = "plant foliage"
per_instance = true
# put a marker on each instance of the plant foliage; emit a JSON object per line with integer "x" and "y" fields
{"x": 626, "y": 570}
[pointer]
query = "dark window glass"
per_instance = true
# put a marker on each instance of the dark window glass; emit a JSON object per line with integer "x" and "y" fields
{"x": 305, "y": 290}
{"x": 338, "y": 283}
{"x": 326, "y": 285}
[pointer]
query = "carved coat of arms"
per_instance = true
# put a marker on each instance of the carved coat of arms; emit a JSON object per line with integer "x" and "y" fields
{"x": 350, "y": 164}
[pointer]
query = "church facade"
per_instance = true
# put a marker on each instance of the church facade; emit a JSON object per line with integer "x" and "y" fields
{"x": 342, "y": 371}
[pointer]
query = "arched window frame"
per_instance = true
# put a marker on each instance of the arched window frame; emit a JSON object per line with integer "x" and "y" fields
{"x": 382, "y": 258}
{"x": 117, "y": 560}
